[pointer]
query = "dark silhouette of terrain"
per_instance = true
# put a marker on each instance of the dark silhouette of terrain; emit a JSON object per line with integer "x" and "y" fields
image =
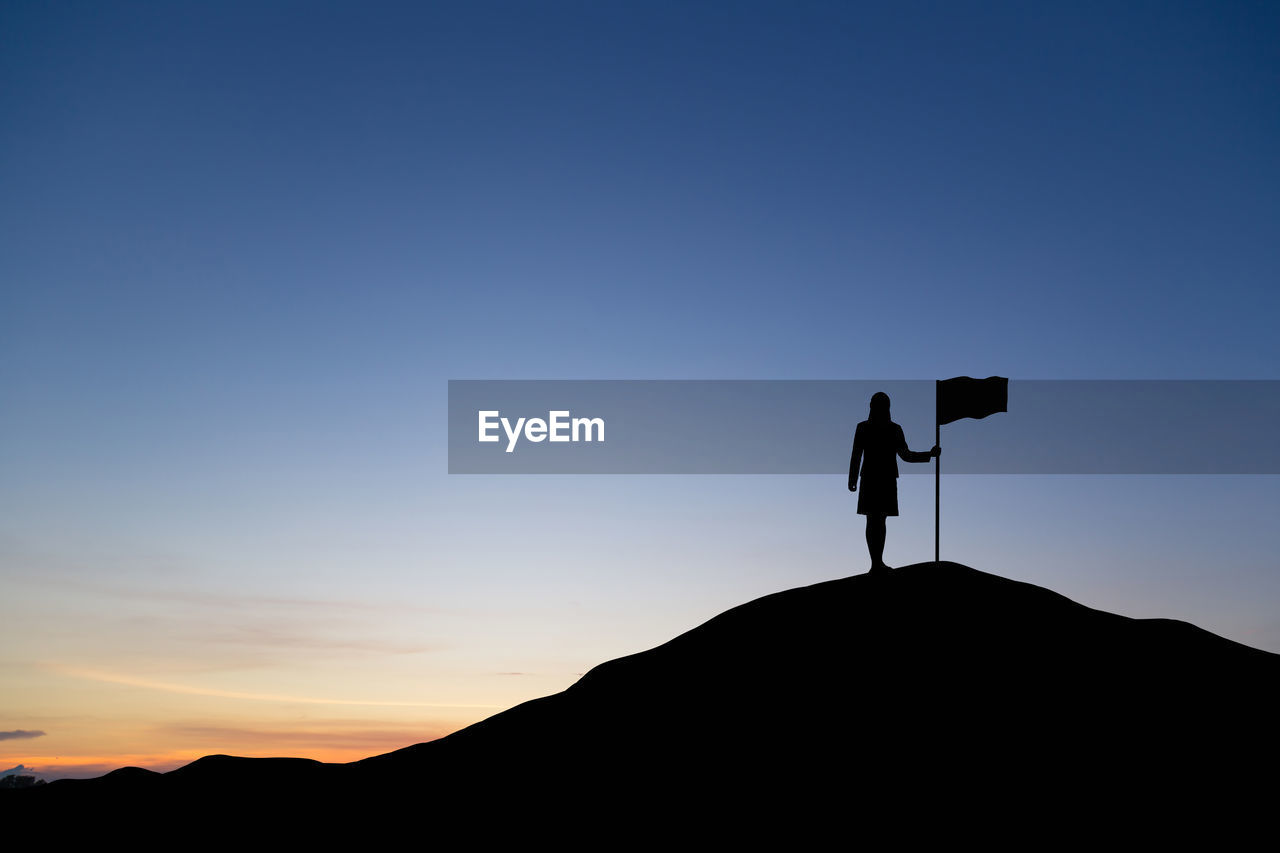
{"x": 932, "y": 701}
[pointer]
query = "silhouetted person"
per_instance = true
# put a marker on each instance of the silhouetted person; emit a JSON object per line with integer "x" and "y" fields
{"x": 876, "y": 442}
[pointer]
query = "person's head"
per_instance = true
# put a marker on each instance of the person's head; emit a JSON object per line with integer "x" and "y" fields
{"x": 880, "y": 407}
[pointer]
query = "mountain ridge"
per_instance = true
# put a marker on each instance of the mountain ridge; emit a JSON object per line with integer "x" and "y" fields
{"x": 932, "y": 678}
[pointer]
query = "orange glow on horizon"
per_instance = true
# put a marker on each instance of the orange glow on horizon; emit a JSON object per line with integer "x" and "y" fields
{"x": 86, "y": 766}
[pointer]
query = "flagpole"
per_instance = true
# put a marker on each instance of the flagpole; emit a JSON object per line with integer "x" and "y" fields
{"x": 937, "y": 474}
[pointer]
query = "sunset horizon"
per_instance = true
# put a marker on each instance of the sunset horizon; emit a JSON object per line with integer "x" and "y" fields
{"x": 371, "y": 369}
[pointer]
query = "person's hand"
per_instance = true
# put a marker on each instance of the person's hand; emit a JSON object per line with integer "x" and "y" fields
{"x": 936, "y": 451}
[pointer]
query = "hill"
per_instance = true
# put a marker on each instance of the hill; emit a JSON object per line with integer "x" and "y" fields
{"x": 935, "y": 689}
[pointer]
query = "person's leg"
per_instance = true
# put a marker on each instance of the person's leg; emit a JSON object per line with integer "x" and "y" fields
{"x": 875, "y": 540}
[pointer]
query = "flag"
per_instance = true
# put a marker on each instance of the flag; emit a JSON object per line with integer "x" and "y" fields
{"x": 965, "y": 397}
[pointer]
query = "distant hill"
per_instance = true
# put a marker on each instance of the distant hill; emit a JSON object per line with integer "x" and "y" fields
{"x": 934, "y": 701}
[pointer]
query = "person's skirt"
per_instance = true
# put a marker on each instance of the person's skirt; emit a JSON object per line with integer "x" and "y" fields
{"x": 878, "y": 496}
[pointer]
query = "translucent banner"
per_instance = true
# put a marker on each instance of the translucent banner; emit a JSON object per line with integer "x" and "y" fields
{"x": 806, "y": 427}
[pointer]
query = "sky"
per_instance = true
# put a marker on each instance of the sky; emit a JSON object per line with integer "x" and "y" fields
{"x": 245, "y": 246}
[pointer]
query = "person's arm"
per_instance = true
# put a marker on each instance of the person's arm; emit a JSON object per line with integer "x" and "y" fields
{"x": 909, "y": 455}
{"x": 856, "y": 459}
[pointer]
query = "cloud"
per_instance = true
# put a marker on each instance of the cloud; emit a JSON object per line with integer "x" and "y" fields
{"x": 369, "y": 737}
{"x": 195, "y": 690}
{"x": 20, "y": 734}
{"x": 218, "y": 600}
{"x": 276, "y": 637}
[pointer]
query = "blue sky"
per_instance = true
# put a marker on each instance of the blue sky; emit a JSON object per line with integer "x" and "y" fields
{"x": 245, "y": 246}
